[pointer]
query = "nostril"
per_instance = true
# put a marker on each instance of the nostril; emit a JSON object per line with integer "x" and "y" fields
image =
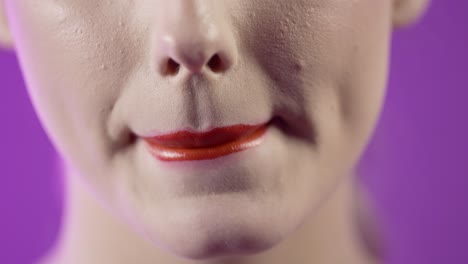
{"x": 216, "y": 64}
{"x": 171, "y": 67}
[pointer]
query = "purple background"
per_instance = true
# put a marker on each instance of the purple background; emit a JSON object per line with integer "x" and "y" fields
{"x": 416, "y": 166}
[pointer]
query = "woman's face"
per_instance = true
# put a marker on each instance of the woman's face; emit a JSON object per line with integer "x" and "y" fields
{"x": 104, "y": 74}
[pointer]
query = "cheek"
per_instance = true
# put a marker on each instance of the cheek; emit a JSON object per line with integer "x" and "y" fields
{"x": 74, "y": 68}
{"x": 362, "y": 70}
{"x": 327, "y": 62}
{"x": 350, "y": 79}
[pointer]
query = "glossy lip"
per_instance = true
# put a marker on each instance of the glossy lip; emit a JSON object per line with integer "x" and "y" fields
{"x": 186, "y": 145}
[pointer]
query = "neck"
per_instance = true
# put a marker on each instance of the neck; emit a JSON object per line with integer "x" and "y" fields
{"x": 90, "y": 234}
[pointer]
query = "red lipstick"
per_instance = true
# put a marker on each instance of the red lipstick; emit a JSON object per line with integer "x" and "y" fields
{"x": 185, "y": 145}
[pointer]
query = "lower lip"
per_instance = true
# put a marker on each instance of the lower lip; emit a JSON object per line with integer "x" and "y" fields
{"x": 180, "y": 154}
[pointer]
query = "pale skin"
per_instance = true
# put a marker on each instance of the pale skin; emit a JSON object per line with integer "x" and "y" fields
{"x": 103, "y": 73}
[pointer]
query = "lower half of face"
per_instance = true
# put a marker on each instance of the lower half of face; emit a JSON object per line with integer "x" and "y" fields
{"x": 314, "y": 71}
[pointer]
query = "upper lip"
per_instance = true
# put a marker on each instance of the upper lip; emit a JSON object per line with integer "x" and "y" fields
{"x": 218, "y": 136}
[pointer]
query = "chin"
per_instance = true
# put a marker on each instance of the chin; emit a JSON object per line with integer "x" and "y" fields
{"x": 198, "y": 245}
{"x": 216, "y": 227}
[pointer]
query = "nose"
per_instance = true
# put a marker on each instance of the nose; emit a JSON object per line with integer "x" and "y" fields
{"x": 193, "y": 36}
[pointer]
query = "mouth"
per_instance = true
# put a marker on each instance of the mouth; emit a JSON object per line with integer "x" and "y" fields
{"x": 185, "y": 145}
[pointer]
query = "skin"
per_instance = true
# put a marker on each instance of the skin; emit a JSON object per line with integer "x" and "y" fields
{"x": 103, "y": 73}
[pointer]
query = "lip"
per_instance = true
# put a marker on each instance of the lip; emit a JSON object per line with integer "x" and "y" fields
{"x": 185, "y": 145}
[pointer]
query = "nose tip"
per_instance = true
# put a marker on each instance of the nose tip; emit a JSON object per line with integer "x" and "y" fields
{"x": 193, "y": 36}
{"x": 180, "y": 54}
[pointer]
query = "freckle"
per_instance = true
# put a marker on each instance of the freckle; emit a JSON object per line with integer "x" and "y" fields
{"x": 299, "y": 65}
{"x": 121, "y": 23}
{"x": 78, "y": 30}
